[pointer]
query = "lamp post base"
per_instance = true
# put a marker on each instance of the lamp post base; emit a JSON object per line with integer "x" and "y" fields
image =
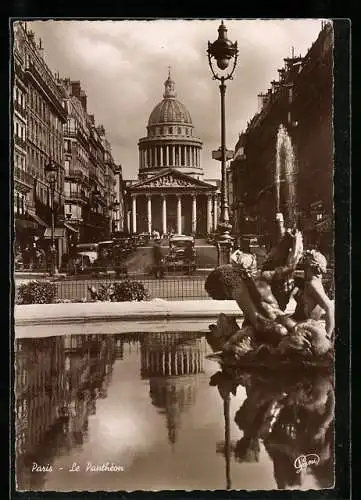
{"x": 224, "y": 243}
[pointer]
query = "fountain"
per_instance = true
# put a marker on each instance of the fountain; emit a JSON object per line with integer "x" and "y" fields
{"x": 285, "y": 172}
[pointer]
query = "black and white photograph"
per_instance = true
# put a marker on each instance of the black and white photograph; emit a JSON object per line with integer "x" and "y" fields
{"x": 174, "y": 264}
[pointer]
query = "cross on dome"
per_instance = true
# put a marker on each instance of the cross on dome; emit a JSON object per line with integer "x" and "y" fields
{"x": 169, "y": 85}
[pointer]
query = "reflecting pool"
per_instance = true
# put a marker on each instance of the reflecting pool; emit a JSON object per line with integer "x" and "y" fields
{"x": 149, "y": 412}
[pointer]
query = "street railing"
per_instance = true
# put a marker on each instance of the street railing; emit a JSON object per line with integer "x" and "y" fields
{"x": 171, "y": 286}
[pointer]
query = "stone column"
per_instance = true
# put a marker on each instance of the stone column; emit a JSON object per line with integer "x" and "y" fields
{"x": 194, "y": 213}
{"x": 161, "y": 156}
{"x": 164, "y": 213}
{"x": 173, "y": 159}
{"x": 149, "y": 202}
{"x": 215, "y": 212}
{"x": 209, "y": 214}
{"x": 167, "y": 155}
{"x": 128, "y": 220}
{"x": 134, "y": 213}
{"x": 179, "y": 214}
{"x": 176, "y": 149}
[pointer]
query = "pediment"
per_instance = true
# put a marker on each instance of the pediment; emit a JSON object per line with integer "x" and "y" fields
{"x": 171, "y": 178}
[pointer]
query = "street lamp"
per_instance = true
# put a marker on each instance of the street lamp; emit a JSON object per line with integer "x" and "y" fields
{"x": 113, "y": 207}
{"x": 96, "y": 196}
{"x": 51, "y": 172}
{"x": 223, "y": 51}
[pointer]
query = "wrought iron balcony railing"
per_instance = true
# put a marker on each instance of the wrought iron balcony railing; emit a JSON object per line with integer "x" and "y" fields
{"x": 23, "y": 176}
{"x": 20, "y": 142}
{"x": 76, "y": 195}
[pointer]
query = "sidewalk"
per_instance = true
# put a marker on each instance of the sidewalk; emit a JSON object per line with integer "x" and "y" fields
{"x": 33, "y": 275}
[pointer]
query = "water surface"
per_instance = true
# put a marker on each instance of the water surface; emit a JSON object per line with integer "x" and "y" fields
{"x": 153, "y": 408}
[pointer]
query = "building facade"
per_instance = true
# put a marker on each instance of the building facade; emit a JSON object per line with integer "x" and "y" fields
{"x": 51, "y": 123}
{"x": 284, "y": 159}
{"x": 38, "y": 117}
{"x": 89, "y": 190}
{"x": 170, "y": 194}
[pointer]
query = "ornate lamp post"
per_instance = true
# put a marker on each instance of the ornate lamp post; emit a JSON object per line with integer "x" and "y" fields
{"x": 51, "y": 172}
{"x": 113, "y": 208}
{"x": 223, "y": 51}
{"x": 96, "y": 195}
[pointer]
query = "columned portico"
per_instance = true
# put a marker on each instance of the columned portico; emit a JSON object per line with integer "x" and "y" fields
{"x": 149, "y": 205}
{"x": 194, "y": 213}
{"x": 179, "y": 214}
{"x": 134, "y": 213}
{"x": 164, "y": 214}
{"x": 209, "y": 214}
{"x": 215, "y": 213}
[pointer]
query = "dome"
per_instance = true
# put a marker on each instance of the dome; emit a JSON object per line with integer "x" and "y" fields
{"x": 170, "y": 110}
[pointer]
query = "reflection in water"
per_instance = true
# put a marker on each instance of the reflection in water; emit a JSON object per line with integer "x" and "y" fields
{"x": 172, "y": 363}
{"x": 291, "y": 415}
{"x": 57, "y": 383}
{"x": 144, "y": 400}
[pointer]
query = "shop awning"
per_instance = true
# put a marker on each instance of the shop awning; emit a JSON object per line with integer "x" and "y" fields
{"x": 23, "y": 222}
{"x": 71, "y": 228}
{"x": 37, "y": 219}
{"x": 59, "y": 232}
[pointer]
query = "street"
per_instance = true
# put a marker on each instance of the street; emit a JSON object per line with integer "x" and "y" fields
{"x": 172, "y": 286}
{"x": 139, "y": 264}
{"x": 141, "y": 260}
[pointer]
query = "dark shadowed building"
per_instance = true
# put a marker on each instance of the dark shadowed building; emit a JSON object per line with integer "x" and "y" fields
{"x": 284, "y": 159}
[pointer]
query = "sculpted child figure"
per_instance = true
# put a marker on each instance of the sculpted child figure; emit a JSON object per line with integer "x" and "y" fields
{"x": 263, "y": 296}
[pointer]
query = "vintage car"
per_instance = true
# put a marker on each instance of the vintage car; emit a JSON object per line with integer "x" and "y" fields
{"x": 125, "y": 241}
{"x": 212, "y": 238}
{"x": 97, "y": 257}
{"x": 182, "y": 254}
{"x": 143, "y": 239}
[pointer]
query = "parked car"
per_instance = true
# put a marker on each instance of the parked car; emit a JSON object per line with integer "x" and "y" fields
{"x": 98, "y": 257}
{"x": 212, "y": 238}
{"x": 143, "y": 239}
{"x": 181, "y": 254}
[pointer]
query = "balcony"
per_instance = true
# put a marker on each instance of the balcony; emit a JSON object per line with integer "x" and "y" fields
{"x": 20, "y": 142}
{"x": 76, "y": 196}
{"x": 74, "y": 173}
{"x": 20, "y": 109}
{"x": 76, "y": 133}
{"x": 23, "y": 177}
{"x": 93, "y": 175}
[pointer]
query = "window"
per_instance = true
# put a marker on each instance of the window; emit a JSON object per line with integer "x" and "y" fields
{"x": 71, "y": 124}
{"x": 170, "y": 130}
{"x": 179, "y": 130}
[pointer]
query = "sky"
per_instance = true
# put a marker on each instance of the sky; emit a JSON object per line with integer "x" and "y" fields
{"x": 122, "y": 66}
